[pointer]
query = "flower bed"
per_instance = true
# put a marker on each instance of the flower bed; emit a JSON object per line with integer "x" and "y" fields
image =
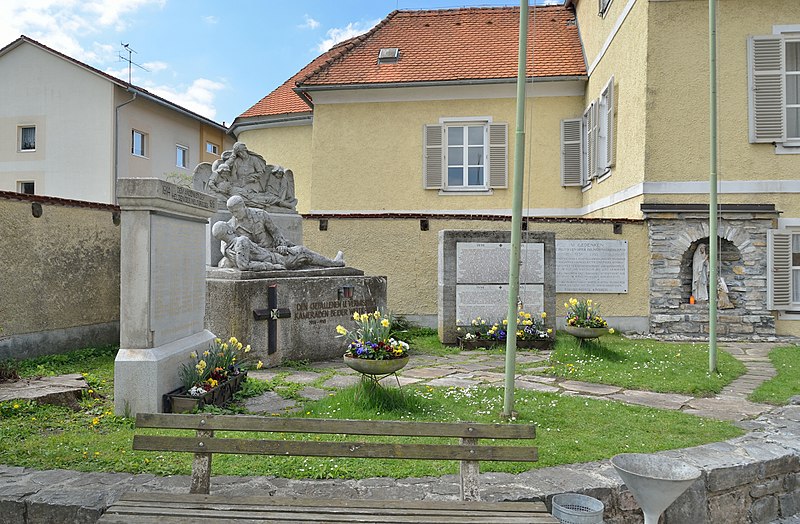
{"x": 532, "y": 333}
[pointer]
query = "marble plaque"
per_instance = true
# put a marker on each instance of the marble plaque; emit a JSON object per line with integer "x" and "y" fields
{"x": 487, "y": 263}
{"x": 490, "y": 302}
{"x": 591, "y": 266}
{"x": 177, "y": 285}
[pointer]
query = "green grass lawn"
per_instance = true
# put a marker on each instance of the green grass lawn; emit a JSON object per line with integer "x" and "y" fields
{"x": 786, "y": 384}
{"x": 570, "y": 429}
{"x": 643, "y": 364}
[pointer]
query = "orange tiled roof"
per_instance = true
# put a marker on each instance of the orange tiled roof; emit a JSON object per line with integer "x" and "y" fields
{"x": 283, "y": 99}
{"x": 439, "y": 45}
{"x": 457, "y": 44}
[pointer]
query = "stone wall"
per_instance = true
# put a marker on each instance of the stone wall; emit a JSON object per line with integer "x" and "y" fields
{"x": 60, "y": 278}
{"x": 673, "y": 239}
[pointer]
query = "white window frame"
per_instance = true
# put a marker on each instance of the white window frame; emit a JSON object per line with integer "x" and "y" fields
{"x": 20, "y": 145}
{"x": 597, "y": 143}
{"x": 465, "y": 165}
{"x": 767, "y": 98}
{"x": 494, "y": 158}
{"x": 21, "y": 184}
{"x": 181, "y": 153}
{"x": 142, "y": 152}
{"x": 212, "y": 148}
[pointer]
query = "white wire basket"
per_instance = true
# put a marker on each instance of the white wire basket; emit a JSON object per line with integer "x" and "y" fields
{"x": 574, "y": 508}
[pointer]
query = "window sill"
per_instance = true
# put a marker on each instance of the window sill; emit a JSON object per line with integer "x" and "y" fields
{"x": 787, "y": 148}
{"x": 789, "y": 315}
{"x": 465, "y": 192}
{"x": 586, "y": 187}
{"x": 139, "y": 156}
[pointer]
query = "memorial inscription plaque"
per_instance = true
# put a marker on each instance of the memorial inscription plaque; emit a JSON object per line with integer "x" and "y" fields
{"x": 487, "y": 263}
{"x": 591, "y": 266}
{"x": 490, "y": 301}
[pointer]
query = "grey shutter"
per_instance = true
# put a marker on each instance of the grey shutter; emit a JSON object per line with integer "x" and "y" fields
{"x": 779, "y": 270}
{"x": 571, "y": 152}
{"x": 590, "y": 117}
{"x": 498, "y": 155}
{"x": 767, "y": 95}
{"x": 433, "y": 161}
{"x": 608, "y": 93}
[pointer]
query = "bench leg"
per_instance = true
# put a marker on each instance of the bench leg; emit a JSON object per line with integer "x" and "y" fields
{"x": 201, "y": 469}
{"x": 469, "y": 474}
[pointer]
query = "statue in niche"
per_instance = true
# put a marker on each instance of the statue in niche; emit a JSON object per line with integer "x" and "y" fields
{"x": 244, "y": 173}
{"x": 723, "y": 301}
{"x": 700, "y": 273}
{"x": 250, "y": 240}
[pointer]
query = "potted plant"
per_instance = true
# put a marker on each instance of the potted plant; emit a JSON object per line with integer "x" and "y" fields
{"x": 372, "y": 348}
{"x": 532, "y": 332}
{"x": 584, "y": 320}
{"x": 211, "y": 377}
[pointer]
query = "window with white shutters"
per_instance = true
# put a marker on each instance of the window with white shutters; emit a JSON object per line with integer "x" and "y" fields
{"x": 469, "y": 155}
{"x": 774, "y": 89}
{"x": 783, "y": 275}
{"x": 571, "y": 152}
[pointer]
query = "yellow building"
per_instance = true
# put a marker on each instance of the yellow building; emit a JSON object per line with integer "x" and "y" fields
{"x": 409, "y": 129}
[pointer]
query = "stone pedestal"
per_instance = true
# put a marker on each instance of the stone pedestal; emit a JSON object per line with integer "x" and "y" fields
{"x": 310, "y": 302}
{"x": 162, "y": 289}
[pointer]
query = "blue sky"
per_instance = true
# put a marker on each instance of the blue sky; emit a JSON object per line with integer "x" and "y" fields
{"x": 213, "y": 57}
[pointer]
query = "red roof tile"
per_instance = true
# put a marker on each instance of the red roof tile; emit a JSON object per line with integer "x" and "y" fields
{"x": 439, "y": 46}
{"x": 457, "y": 44}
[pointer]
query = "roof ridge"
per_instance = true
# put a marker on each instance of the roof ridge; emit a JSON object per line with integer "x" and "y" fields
{"x": 348, "y": 45}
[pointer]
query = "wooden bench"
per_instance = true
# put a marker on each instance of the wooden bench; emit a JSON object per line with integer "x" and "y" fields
{"x": 198, "y": 506}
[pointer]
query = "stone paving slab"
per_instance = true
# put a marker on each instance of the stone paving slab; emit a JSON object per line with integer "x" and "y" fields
{"x": 62, "y": 390}
{"x": 453, "y": 382}
{"x": 490, "y": 377}
{"x": 536, "y": 386}
{"x": 726, "y": 408}
{"x": 341, "y": 381}
{"x": 435, "y": 372}
{"x": 651, "y": 399}
{"x": 302, "y": 377}
{"x": 589, "y": 388}
{"x": 313, "y": 393}
{"x": 269, "y": 402}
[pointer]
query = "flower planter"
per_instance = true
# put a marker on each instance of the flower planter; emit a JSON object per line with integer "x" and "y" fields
{"x": 375, "y": 367}
{"x": 178, "y": 401}
{"x": 475, "y": 343}
{"x": 541, "y": 344}
{"x": 586, "y": 332}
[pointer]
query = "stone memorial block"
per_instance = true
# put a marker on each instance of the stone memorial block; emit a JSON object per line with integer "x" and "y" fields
{"x": 309, "y": 304}
{"x": 591, "y": 266}
{"x": 473, "y": 277}
{"x": 162, "y": 289}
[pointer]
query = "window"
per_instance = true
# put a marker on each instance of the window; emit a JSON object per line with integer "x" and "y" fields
{"x": 27, "y": 138}
{"x": 774, "y": 89}
{"x": 465, "y": 155}
{"x": 783, "y": 276}
{"x": 603, "y": 7}
{"x": 181, "y": 156}
{"x": 212, "y": 148}
{"x": 26, "y": 188}
{"x": 587, "y": 143}
{"x": 138, "y": 143}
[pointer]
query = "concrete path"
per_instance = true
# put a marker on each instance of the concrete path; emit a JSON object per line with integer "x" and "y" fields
{"x": 479, "y": 368}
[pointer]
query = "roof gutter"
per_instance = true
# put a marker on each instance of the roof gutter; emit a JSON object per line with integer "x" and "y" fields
{"x": 303, "y": 96}
{"x": 435, "y": 83}
{"x": 270, "y": 121}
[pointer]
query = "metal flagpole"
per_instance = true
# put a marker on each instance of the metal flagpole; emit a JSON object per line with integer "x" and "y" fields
{"x": 713, "y": 254}
{"x": 516, "y": 215}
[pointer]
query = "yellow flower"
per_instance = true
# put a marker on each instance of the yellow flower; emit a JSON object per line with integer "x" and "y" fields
{"x": 377, "y": 314}
{"x": 566, "y": 305}
{"x": 95, "y": 421}
{"x": 217, "y": 341}
{"x": 505, "y": 322}
{"x": 341, "y": 330}
{"x": 224, "y": 347}
{"x": 213, "y": 383}
{"x": 90, "y": 391}
{"x": 520, "y": 333}
{"x": 611, "y": 330}
{"x": 589, "y": 302}
{"x": 239, "y": 345}
{"x": 355, "y": 316}
{"x": 364, "y": 317}
{"x": 385, "y": 323}
{"x": 544, "y": 314}
{"x": 16, "y": 406}
{"x": 549, "y": 331}
{"x": 206, "y": 353}
{"x": 259, "y": 365}
{"x": 233, "y": 341}
{"x": 96, "y": 453}
{"x": 573, "y": 301}
{"x": 247, "y": 348}
{"x": 193, "y": 354}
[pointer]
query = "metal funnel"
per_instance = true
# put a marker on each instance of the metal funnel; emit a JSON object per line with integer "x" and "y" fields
{"x": 655, "y": 481}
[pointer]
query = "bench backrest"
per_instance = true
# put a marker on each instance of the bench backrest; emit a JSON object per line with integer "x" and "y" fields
{"x": 467, "y": 450}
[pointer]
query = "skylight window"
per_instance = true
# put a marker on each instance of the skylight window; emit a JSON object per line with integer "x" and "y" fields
{"x": 388, "y": 54}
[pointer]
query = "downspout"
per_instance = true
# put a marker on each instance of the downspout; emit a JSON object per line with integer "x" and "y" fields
{"x": 116, "y": 143}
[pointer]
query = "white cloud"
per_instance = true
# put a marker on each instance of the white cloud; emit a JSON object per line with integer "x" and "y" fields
{"x": 339, "y": 34}
{"x": 198, "y": 97}
{"x": 155, "y": 67}
{"x": 211, "y": 20}
{"x": 309, "y": 23}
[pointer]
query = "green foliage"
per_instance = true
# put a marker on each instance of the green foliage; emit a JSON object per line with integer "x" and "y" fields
{"x": 642, "y": 364}
{"x": 786, "y": 384}
{"x": 584, "y": 313}
{"x": 8, "y": 370}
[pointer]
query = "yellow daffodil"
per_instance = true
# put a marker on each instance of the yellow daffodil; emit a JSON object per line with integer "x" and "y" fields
{"x": 247, "y": 348}
{"x": 341, "y": 330}
{"x": 377, "y": 314}
{"x": 206, "y": 353}
{"x": 549, "y": 331}
{"x": 611, "y": 330}
{"x": 95, "y": 421}
{"x": 544, "y": 315}
{"x": 193, "y": 354}
{"x": 364, "y": 317}
{"x": 259, "y": 365}
{"x": 385, "y": 323}
{"x": 505, "y": 322}
{"x": 217, "y": 341}
{"x": 233, "y": 341}
{"x": 355, "y": 316}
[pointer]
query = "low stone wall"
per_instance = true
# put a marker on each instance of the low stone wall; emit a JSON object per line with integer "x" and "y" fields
{"x": 60, "y": 278}
{"x": 750, "y": 479}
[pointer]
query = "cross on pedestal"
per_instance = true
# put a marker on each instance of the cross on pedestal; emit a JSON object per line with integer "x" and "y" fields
{"x": 271, "y": 315}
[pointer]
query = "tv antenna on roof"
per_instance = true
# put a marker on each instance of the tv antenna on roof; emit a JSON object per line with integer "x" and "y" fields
{"x": 130, "y": 62}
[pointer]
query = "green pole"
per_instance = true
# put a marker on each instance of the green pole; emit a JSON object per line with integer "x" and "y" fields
{"x": 712, "y": 182}
{"x": 516, "y": 215}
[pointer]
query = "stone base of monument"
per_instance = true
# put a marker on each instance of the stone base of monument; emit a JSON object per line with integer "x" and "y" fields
{"x": 301, "y": 323}
{"x": 289, "y": 224}
{"x": 143, "y": 376}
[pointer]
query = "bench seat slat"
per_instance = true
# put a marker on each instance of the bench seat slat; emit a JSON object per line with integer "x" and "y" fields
{"x": 172, "y": 508}
{"x": 335, "y": 449}
{"x": 345, "y": 427}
